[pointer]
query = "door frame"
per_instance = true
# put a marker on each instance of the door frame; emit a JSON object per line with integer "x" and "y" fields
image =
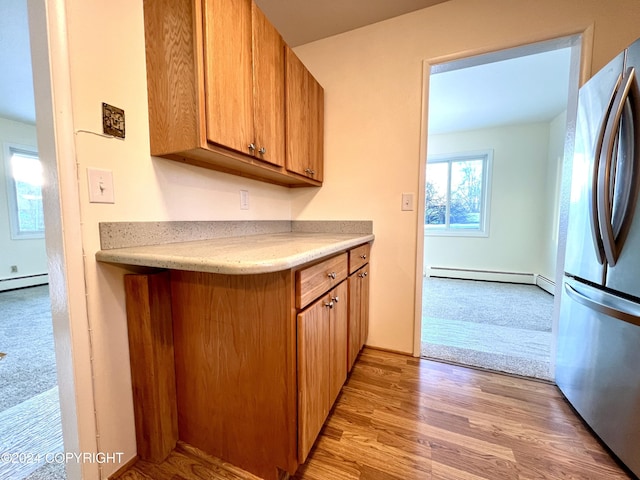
{"x": 63, "y": 239}
{"x": 580, "y": 70}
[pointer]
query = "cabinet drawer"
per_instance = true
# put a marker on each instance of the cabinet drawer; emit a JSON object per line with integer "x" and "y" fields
{"x": 358, "y": 257}
{"x": 313, "y": 281}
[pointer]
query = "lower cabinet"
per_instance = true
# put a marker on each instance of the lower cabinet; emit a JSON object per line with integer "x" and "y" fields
{"x": 244, "y": 367}
{"x": 358, "y": 330}
{"x": 322, "y": 362}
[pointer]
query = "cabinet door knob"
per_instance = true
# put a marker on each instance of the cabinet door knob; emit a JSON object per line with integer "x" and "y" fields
{"x": 262, "y": 151}
{"x": 365, "y": 274}
{"x": 363, "y": 256}
{"x": 329, "y": 304}
{"x": 309, "y": 171}
{"x": 332, "y": 275}
{"x": 335, "y": 299}
{"x": 251, "y": 147}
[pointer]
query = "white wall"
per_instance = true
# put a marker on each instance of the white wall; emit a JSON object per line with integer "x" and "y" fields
{"x": 111, "y": 68}
{"x": 373, "y": 84}
{"x": 518, "y": 205}
{"x": 29, "y": 255}
{"x": 373, "y": 80}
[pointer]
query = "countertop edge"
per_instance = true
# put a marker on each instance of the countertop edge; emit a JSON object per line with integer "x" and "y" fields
{"x": 217, "y": 265}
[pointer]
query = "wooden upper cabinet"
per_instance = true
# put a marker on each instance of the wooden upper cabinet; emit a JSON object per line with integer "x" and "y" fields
{"x": 305, "y": 119}
{"x": 216, "y": 88}
{"x": 268, "y": 80}
{"x": 229, "y": 73}
{"x": 244, "y": 79}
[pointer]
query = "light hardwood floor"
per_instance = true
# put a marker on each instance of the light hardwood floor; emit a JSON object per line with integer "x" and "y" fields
{"x": 401, "y": 418}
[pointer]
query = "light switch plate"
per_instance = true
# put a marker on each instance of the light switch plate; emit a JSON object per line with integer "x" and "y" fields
{"x": 100, "y": 186}
{"x": 407, "y": 202}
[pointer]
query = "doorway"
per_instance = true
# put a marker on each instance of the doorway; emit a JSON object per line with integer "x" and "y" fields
{"x": 495, "y": 149}
{"x": 42, "y": 24}
{"x": 30, "y": 420}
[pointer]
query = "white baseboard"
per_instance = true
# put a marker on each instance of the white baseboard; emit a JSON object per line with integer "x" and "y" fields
{"x": 22, "y": 282}
{"x": 487, "y": 275}
{"x": 546, "y": 284}
{"x": 541, "y": 281}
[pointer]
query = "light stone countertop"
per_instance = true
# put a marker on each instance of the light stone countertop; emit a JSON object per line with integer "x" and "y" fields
{"x": 241, "y": 255}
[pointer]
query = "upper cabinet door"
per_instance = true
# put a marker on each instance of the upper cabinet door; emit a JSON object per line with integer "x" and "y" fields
{"x": 229, "y": 73}
{"x": 268, "y": 79}
{"x": 305, "y": 119}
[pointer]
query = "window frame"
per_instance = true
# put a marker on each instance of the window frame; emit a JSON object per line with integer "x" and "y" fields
{"x": 485, "y": 209}
{"x": 9, "y": 149}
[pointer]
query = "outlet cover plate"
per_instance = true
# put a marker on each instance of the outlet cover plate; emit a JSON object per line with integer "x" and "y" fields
{"x": 112, "y": 120}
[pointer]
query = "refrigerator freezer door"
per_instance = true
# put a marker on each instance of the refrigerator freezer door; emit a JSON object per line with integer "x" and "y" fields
{"x": 623, "y": 276}
{"x": 597, "y": 370}
{"x": 594, "y": 102}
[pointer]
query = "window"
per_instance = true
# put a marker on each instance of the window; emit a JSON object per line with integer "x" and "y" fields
{"x": 24, "y": 190}
{"x": 457, "y": 194}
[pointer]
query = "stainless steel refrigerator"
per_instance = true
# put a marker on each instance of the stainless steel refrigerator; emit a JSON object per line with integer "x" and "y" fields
{"x": 598, "y": 348}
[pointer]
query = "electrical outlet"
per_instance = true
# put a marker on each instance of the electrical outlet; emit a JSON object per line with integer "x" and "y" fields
{"x": 244, "y": 199}
{"x": 100, "y": 186}
{"x": 112, "y": 120}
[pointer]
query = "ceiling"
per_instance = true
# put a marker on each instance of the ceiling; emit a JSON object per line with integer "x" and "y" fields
{"x": 523, "y": 89}
{"x": 475, "y": 97}
{"x": 304, "y": 21}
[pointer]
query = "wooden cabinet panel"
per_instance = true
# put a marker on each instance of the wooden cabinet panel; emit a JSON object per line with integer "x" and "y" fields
{"x": 322, "y": 363}
{"x": 355, "y": 321}
{"x": 313, "y": 373}
{"x": 152, "y": 369}
{"x": 305, "y": 119}
{"x": 268, "y": 78}
{"x": 358, "y": 306}
{"x": 313, "y": 281}
{"x": 364, "y": 307}
{"x": 339, "y": 315}
{"x": 235, "y": 361}
{"x": 358, "y": 257}
{"x": 228, "y": 73}
{"x": 174, "y": 95}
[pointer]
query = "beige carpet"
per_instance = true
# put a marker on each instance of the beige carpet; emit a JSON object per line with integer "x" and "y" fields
{"x": 497, "y": 326}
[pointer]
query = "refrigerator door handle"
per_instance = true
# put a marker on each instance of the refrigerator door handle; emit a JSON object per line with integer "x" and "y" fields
{"x": 607, "y": 304}
{"x": 595, "y": 192}
{"x": 607, "y": 178}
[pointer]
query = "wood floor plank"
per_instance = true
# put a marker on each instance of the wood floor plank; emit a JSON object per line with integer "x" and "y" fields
{"x": 398, "y": 417}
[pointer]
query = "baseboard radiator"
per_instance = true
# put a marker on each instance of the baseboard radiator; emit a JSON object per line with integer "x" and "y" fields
{"x": 546, "y": 284}
{"x": 24, "y": 281}
{"x": 492, "y": 276}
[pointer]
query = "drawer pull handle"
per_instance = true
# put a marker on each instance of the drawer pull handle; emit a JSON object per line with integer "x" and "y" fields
{"x": 330, "y": 304}
{"x": 364, "y": 256}
{"x": 332, "y": 275}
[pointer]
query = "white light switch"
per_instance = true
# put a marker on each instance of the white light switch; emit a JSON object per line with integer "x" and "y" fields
{"x": 407, "y": 201}
{"x": 100, "y": 186}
